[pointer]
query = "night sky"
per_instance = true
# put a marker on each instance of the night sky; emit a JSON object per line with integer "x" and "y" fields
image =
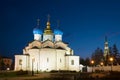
{"x": 85, "y": 23}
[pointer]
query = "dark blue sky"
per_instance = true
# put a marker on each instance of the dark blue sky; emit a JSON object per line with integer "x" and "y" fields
{"x": 84, "y": 23}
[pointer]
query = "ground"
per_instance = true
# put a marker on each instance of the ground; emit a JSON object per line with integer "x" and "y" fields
{"x": 20, "y": 75}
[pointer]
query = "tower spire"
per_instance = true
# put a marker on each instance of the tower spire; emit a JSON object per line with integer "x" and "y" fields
{"x": 48, "y": 34}
{"x": 105, "y": 38}
{"x": 48, "y": 30}
{"x": 48, "y": 22}
{"x": 106, "y": 49}
{"x": 48, "y": 18}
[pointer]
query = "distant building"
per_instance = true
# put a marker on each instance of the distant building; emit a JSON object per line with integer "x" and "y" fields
{"x": 106, "y": 49}
{"x": 5, "y": 63}
{"x": 47, "y": 52}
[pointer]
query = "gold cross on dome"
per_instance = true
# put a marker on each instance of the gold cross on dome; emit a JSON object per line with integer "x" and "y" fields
{"x": 48, "y": 17}
{"x": 38, "y": 22}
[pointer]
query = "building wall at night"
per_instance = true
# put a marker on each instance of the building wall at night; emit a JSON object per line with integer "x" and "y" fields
{"x": 47, "y": 52}
{"x": 22, "y": 61}
{"x": 5, "y": 63}
{"x": 106, "y": 49}
{"x": 72, "y": 62}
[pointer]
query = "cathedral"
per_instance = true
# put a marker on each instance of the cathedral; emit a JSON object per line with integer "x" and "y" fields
{"x": 47, "y": 52}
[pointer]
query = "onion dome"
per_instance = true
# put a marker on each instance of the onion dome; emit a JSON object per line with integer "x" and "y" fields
{"x": 37, "y": 31}
{"x": 58, "y": 32}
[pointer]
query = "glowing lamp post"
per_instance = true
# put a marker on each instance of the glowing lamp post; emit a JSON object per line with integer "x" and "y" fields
{"x": 92, "y": 62}
{"x": 32, "y": 66}
{"x": 111, "y": 60}
{"x": 102, "y": 65}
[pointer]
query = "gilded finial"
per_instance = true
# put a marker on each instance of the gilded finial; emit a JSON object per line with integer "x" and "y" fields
{"x": 48, "y": 30}
{"x": 48, "y": 22}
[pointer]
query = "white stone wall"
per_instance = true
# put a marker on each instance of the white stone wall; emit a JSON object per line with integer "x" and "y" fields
{"x": 70, "y": 66}
{"x": 34, "y": 59}
{"x": 48, "y": 59}
{"x": 23, "y": 64}
{"x": 61, "y": 59}
{"x": 107, "y": 68}
{"x": 81, "y": 67}
{"x": 69, "y": 51}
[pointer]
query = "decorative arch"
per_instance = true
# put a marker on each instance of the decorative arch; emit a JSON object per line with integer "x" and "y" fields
{"x": 60, "y": 45}
{"x": 48, "y": 44}
{"x": 36, "y": 44}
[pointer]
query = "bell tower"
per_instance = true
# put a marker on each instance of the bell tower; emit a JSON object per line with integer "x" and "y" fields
{"x": 106, "y": 49}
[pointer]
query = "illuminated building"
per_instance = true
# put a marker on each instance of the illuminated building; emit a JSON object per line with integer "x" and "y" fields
{"x": 5, "y": 63}
{"x": 47, "y": 52}
{"x": 106, "y": 49}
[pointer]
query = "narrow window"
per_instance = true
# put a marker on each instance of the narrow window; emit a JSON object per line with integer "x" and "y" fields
{"x": 60, "y": 60}
{"x": 20, "y": 62}
{"x": 47, "y": 59}
{"x": 72, "y": 62}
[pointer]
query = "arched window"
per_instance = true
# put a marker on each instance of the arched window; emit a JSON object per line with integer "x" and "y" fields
{"x": 20, "y": 62}
{"x": 47, "y": 59}
{"x": 72, "y": 62}
{"x": 60, "y": 60}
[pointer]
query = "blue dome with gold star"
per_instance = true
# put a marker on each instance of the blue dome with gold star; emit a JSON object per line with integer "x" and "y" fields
{"x": 37, "y": 31}
{"x": 58, "y": 32}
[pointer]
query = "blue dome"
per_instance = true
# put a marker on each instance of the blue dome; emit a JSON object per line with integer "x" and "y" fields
{"x": 58, "y": 32}
{"x": 37, "y": 31}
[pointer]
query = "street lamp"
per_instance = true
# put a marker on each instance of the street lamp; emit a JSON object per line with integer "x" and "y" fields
{"x": 111, "y": 60}
{"x": 101, "y": 65}
{"x": 92, "y": 62}
{"x": 32, "y": 66}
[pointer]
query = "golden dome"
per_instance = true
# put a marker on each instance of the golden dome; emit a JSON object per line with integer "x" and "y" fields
{"x": 48, "y": 30}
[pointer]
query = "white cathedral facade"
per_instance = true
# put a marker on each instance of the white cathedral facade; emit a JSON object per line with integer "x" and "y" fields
{"x": 47, "y": 52}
